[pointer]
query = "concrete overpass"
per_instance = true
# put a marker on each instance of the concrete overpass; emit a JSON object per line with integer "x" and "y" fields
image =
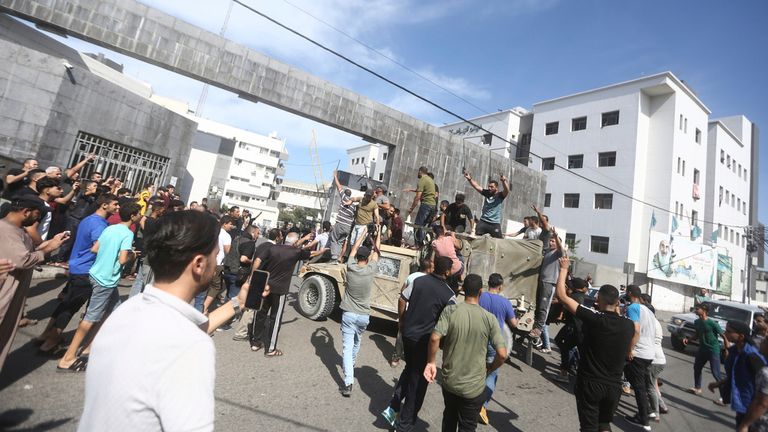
{"x": 147, "y": 34}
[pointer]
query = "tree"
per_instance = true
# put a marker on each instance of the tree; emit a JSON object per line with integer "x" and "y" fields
{"x": 297, "y": 215}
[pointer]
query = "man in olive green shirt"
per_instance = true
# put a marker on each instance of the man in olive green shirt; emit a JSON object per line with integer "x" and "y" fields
{"x": 426, "y": 200}
{"x": 467, "y": 329}
{"x": 708, "y": 332}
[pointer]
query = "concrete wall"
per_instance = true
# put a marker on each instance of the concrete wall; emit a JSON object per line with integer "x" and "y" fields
{"x": 43, "y": 106}
{"x": 147, "y": 34}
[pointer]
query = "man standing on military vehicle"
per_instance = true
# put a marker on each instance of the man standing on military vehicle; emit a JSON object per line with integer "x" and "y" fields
{"x": 493, "y": 199}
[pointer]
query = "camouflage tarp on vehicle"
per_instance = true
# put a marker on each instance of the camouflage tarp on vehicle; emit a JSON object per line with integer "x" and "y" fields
{"x": 517, "y": 261}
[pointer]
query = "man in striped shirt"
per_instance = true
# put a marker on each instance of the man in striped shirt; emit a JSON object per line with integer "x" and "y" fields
{"x": 344, "y": 219}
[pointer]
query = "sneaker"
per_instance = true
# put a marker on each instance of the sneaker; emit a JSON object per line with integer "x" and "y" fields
{"x": 719, "y": 402}
{"x": 546, "y": 350}
{"x": 483, "y": 416}
{"x": 694, "y": 390}
{"x": 537, "y": 343}
{"x": 390, "y": 416}
{"x": 655, "y": 417}
{"x": 239, "y": 338}
{"x": 636, "y": 421}
{"x": 346, "y": 391}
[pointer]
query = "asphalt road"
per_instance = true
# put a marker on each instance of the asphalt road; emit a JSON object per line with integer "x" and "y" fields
{"x": 299, "y": 391}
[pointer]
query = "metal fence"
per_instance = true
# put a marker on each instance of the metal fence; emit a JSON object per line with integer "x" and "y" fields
{"x": 133, "y": 166}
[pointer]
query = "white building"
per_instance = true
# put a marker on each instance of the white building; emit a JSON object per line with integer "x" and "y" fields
{"x": 649, "y": 139}
{"x": 506, "y": 124}
{"x": 728, "y": 182}
{"x": 301, "y": 194}
{"x": 369, "y": 159}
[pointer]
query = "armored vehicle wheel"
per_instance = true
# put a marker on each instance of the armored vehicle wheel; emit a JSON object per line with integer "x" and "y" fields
{"x": 317, "y": 297}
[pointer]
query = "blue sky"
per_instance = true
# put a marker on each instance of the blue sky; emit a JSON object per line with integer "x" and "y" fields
{"x": 496, "y": 54}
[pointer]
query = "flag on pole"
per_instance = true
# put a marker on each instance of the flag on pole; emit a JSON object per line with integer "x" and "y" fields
{"x": 674, "y": 224}
{"x": 695, "y": 232}
{"x": 653, "y": 219}
{"x": 715, "y": 235}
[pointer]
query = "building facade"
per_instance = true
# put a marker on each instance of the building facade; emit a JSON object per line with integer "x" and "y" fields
{"x": 302, "y": 194}
{"x": 506, "y": 124}
{"x": 368, "y": 160}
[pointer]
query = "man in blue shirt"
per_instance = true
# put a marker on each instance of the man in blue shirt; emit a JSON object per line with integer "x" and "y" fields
{"x": 78, "y": 286}
{"x": 113, "y": 250}
{"x": 493, "y": 201}
{"x": 502, "y": 309}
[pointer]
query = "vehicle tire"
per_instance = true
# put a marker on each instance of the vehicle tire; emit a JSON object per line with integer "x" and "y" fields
{"x": 317, "y": 297}
{"x": 677, "y": 343}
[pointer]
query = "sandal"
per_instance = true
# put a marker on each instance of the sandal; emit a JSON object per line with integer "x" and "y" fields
{"x": 274, "y": 353}
{"x": 256, "y": 348}
{"x": 27, "y": 322}
{"x": 78, "y": 366}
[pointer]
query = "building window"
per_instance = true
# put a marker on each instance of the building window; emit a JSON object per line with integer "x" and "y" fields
{"x": 551, "y": 128}
{"x": 720, "y": 197}
{"x": 381, "y": 176}
{"x": 604, "y": 201}
{"x": 571, "y": 200}
{"x": 677, "y": 208}
{"x": 610, "y": 118}
{"x": 599, "y": 244}
{"x": 745, "y": 174}
{"x": 384, "y": 156}
{"x": 570, "y": 240}
{"x": 575, "y": 161}
{"x": 362, "y": 160}
{"x": 738, "y": 204}
{"x": 681, "y": 122}
{"x": 697, "y": 136}
{"x": 606, "y": 159}
{"x": 679, "y": 161}
{"x": 694, "y": 218}
{"x": 547, "y": 199}
{"x": 696, "y": 175}
{"x": 685, "y": 125}
{"x": 728, "y": 161}
{"x": 722, "y": 156}
{"x": 683, "y": 168}
{"x": 547, "y": 164}
{"x": 579, "y": 123}
{"x": 486, "y": 139}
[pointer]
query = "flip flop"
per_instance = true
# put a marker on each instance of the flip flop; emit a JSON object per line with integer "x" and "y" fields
{"x": 275, "y": 353}
{"x": 256, "y": 348}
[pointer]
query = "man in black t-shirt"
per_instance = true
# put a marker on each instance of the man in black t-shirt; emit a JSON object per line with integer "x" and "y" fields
{"x": 457, "y": 215}
{"x": 16, "y": 178}
{"x": 430, "y": 294}
{"x": 607, "y": 338}
{"x": 279, "y": 261}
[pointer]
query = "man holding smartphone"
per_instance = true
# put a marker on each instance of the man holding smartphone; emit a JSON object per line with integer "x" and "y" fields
{"x": 356, "y": 304}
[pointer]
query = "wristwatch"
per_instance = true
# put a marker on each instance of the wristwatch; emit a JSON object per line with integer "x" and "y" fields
{"x": 236, "y": 307}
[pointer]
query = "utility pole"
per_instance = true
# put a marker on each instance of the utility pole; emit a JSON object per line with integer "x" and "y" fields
{"x": 750, "y": 232}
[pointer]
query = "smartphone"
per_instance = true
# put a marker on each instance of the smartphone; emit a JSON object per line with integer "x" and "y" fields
{"x": 257, "y": 283}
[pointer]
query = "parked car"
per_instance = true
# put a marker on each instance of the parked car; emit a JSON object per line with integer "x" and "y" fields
{"x": 722, "y": 311}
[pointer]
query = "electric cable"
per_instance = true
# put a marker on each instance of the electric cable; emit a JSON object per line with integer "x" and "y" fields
{"x": 450, "y": 112}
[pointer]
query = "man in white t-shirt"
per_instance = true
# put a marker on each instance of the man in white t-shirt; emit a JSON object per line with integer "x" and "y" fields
{"x": 171, "y": 388}
{"x": 641, "y": 354}
{"x": 216, "y": 287}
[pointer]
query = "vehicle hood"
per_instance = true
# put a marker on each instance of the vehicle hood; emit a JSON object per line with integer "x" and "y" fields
{"x": 691, "y": 317}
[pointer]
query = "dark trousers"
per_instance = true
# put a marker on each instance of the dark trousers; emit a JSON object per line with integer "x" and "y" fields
{"x": 78, "y": 292}
{"x": 595, "y": 403}
{"x": 702, "y": 357}
{"x": 483, "y": 227}
{"x": 636, "y": 372}
{"x": 64, "y": 250}
{"x": 461, "y": 412}
{"x": 267, "y": 320}
{"x": 566, "y": 339}
{"x": 414, "y": 385}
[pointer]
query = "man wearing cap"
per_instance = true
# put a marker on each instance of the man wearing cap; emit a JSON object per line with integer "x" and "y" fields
{"x": 18, "y": 247}
{"x": 361, "y": 268}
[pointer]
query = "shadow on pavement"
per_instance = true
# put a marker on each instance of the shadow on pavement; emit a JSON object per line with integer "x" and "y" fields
{"x": 322, "y": 340}
{"x": 45, "y": 286}
{"x": 378, "y": 392}
{"x": 294, "y": 423}
{"x": 384, "y": 346}
{"x": 15, "y": 417}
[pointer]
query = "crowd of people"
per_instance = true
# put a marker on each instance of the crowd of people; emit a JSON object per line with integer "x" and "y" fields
{"x": 190, "y": 269}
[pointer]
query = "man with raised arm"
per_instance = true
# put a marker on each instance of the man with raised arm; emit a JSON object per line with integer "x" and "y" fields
{"x": 493, "y": 199}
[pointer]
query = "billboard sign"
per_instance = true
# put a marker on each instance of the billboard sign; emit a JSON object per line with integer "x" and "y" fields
{"x": 677, "y": 259}
{"x": 724, "y": 274}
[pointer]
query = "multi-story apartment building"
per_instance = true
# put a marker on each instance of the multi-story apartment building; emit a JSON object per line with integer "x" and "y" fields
{"x": 301, "y": 194}
{"x": 506, "y": 124}
{"x": 368, "y": 160}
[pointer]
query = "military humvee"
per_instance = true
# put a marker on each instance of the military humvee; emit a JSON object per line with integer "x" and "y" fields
{"x": 518, "y": 261}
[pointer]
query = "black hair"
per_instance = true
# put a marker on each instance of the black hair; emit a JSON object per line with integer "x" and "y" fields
{"x": 424, "y": 264}
{"x": 45, "y": 183}
{"x": 442, "y": 265}
{"x": 274, "y": 234}
{"x": 703, "y": 307}
{"x": 647, "y": 302}
{"x": 472, "y": 285}
{"x": 226, "y": 219}
{"x": 634, "y": 291}
{"x": 741, "y": 328}
{"x": 96, "y": 172}
{"x": 493, "y": 182}
{"x": 460, "y": 197}
{"x": 176, "y": 203}
{"x": 534, "y": 219}
{"x": 609, "y": 294}
{"x": 495, "y": 280}
{"x": 123, "y": 191}
{"x": 438, "y": 229}
{"x": 431, "y": 175}
{"x": 326, "y": 226}
{"x": 176, "y": 239}
{"x": 578, "y": 283}
{"x": 423, "y": 170}
{"x": 129, "y": 210}
{"x": 105, "y": 199}
{"x": 233, "y": 208}
{"x": 444, "y": 202}
{"x": 397, "y": 211}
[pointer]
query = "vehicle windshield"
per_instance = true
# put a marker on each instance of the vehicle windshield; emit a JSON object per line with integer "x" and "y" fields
{"x": 728, "y": 313}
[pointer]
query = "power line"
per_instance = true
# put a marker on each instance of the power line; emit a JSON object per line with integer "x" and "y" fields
{"x": 425, "y": 78}
{"x": 448, "y": 111}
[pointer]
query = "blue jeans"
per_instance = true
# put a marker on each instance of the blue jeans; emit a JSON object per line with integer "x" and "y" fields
{"x": 422, "y": 219}
{"x": 144, "y": 277}
{"x": 357, "y": 231}
{"x": 491, "y": 378}
{"x": 702, "y": 357}
{"x": 200, "y": 300}
{"x": 545, "y": 337}
{"x": 230, "y": 281}
{"x": 352, "y": 327}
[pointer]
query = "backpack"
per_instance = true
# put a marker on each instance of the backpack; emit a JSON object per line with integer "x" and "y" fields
{"x": 231, "y": 261}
